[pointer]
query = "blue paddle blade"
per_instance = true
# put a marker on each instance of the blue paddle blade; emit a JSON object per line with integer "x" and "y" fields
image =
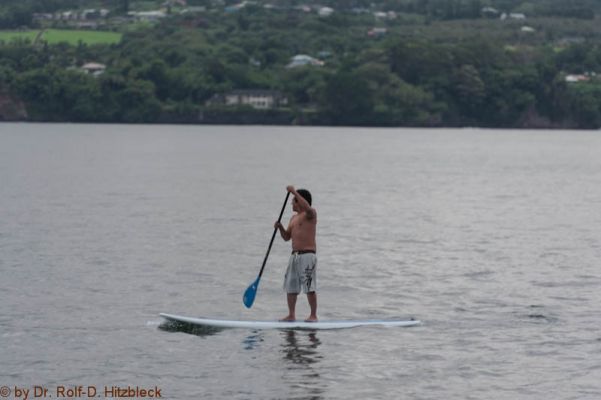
{"x": 249, "y": 295}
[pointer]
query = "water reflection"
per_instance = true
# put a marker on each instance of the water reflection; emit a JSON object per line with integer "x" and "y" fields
{"x": 300, "y": 350}
{"x": 253, "y": 341}
{"x": 198, "y": 330}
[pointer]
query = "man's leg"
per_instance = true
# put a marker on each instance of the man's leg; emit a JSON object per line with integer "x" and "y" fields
{"x": 312, "y": 297}
{"x": 291, "y": 298}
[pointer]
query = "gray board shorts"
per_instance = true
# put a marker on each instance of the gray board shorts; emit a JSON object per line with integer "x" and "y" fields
{"x": 301, "y": 274}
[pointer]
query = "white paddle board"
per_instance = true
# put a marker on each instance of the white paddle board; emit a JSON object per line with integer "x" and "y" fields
{"x": 220, "y": 323}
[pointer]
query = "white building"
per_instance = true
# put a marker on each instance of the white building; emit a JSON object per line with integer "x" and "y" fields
{"x": 259, "y": 99}
{"x": 516, "y": 16}
{"x": 490, "y": 12}
{"x": 377, "y": 32}
{"x": 93, "y": 68}
{"x": 147, "y": 16}
{"x": 301, "y": 60}
{"x": 573, "y": 78}
{"x": 325, "y": 12}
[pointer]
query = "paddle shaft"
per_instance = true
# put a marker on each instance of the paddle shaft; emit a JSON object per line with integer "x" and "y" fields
{"x": 273, "y": 236}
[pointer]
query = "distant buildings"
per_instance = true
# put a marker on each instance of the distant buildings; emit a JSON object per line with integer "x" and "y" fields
{"x": 515, "y": 16}
{"x": 236, "y": 7}
{"x": 88, "y": 18}
{"x": 325, "y": 12}
{"x": 258, "y": 99}
{"x": 377, "y": 32}
{"x": 578, "y": 78}
{"x": 490, "y": 12}
{"x": 93, "y": 68}
{"x": 301, "y": 60}
{"x": 84, "y": 15}
{"x": 385, "y": 15}
{"x": 194, "y": 9}
{"x": 147, "y": 16}
{"x": 173, "y": 3}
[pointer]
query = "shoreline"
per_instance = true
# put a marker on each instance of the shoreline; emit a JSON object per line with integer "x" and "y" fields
{"x": 382, "y": 127}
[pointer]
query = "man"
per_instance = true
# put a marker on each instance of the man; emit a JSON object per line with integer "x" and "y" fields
{"x": 301, "y": 274}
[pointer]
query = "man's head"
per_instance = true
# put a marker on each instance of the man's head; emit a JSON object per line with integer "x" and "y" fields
{"x": 305, "y": 194}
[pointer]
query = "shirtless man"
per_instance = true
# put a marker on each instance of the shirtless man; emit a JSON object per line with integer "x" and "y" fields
{"x": 301, "y": 274}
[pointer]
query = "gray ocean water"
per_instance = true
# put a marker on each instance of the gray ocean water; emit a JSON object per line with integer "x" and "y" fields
{"x": 492, "y": 238}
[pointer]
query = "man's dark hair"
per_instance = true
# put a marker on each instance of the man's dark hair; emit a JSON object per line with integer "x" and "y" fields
{"x": 305, "y": 194}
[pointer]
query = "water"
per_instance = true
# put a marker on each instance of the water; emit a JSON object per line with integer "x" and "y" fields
{"x": 491, "y": 238}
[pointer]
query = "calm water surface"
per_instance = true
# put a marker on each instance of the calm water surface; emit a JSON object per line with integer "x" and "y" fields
{"x": 491, "y": 238}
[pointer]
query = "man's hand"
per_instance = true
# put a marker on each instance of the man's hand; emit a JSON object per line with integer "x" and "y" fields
{"x": 278, "y": 225}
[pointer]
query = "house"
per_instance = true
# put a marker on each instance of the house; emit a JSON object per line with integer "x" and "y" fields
{"x": 147, "y": 16}
{"x": 385, "y": 15}
{"x": 256, "y": 98}
{"x": 360, "y": 10}
{"x": 577, "y": 78}
{"x": 174, "y": 3}
{"x": 490, "y": 12}
{"x": 325, "y": 12}
{"x": 516, "y": 16}
{"x": 194, "y": 9}
{"x": 43, "y": 17}
{"x": 301, "y": 60}
{"x": 377, "y": 32}
{"x": 236, "y": 7}
{"x": 67, "y": 15}
{"x": 90, "y": 14}
{"x": 93, "y": 68}
{"x": 303, "y": 8}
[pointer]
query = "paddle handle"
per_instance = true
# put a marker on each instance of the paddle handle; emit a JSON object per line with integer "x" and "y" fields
{"x": 273, "y": 236}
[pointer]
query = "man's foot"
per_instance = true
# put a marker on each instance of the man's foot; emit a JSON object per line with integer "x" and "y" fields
{"x": 312, "y": 318}
{"x": 288, "y": 318}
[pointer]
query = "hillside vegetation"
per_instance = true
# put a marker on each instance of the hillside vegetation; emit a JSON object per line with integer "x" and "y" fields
{"x": 384, "y": 63}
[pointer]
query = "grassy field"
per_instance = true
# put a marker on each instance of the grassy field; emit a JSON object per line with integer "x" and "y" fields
{"x": 54, "y": 36}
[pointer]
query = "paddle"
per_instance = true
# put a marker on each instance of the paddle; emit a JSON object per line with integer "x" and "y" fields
{"x": 250, "y": 293}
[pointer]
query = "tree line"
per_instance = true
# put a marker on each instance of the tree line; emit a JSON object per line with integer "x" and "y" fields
{"x": 419, "y": 74}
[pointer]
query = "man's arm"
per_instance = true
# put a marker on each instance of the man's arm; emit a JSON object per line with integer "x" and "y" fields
{"x": 302, "y": 203}
{"x": 285, "y": 233}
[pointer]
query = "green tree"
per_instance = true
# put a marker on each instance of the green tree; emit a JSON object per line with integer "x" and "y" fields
{"x": 303, "y": 84}
{"x": 156, "y": 71}
{"x": 129, "y": 100}
{"x": 509, "y": 96}
{"x": 347, "y": 99}
{"x": 397, "y": 102}
{"x": 469, "y": 91}
{"x": 585, "y": 105}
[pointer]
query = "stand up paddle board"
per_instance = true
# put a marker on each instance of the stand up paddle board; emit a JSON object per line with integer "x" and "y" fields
{"x": 220, "y": 323}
